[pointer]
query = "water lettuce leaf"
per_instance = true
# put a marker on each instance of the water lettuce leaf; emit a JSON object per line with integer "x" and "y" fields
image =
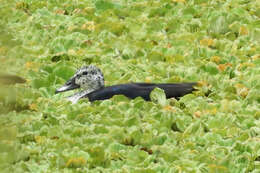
{"x": 158, "y": 96}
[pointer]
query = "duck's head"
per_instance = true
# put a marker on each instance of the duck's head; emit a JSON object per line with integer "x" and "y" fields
{"x": 87, "y": 77}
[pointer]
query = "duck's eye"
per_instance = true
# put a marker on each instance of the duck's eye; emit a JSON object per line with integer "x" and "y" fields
{"x": 85, "y": 73}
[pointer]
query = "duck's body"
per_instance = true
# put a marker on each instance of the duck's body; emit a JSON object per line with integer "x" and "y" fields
{"x": 133, "y": 90}
{"x": 91, "y": 79}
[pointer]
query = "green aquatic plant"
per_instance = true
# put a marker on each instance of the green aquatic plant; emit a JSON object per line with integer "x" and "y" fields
{"x": 215, "y": 129}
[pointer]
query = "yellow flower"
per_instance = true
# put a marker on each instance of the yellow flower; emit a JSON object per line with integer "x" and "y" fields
{"x": 33, "y": 107}
{"x": 255, "y": 57}
{"x": 39, "y": 139}
{"x": 243, "y": 30}
{"x": 60, "y": 11}
{"x": 197, "y": 114}
{"x": 169, "y": 108}
{"x": 215, "y": 59}
{"x": 147, "y": 79}
{"x": 29, "y": 65}
{"x": 242, "y": 90}
{"x": 212, "y": 111}
{"x": 222, "y": 67}
{"x": 89, "y": 26}
{"x": 245, "y": 64}
{"x": 207, "y": 42}
{"x": 76, "y": 162}
{"x": 202, "y": 83}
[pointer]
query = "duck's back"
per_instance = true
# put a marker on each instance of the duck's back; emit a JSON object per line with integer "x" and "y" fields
{"x": 133, "y": 90}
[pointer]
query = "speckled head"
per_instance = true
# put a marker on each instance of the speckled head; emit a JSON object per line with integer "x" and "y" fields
{"x": 87, "y": 77}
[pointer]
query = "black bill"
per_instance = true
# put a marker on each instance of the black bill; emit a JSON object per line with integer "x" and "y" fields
{"x": 69, "y": 85}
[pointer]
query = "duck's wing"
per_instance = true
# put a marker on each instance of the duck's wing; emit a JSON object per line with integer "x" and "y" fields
{"x": 133, "y": 90}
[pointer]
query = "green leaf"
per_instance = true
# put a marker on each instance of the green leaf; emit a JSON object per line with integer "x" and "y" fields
{"x": 158, "y": 96}
{"x": 64, "y": 71}
{"x": 211, "y": 68}
{"x": 104, "y": 5}
{"x": 155, "y": 56}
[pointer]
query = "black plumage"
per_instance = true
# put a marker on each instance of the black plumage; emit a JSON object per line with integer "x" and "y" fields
{"x": 133, "y": 90}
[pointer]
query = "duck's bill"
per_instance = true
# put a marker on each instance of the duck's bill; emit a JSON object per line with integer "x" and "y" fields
{"x": 68, "y": 86}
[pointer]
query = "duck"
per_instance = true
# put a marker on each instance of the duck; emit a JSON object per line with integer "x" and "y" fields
{"x": 90, "y": 80}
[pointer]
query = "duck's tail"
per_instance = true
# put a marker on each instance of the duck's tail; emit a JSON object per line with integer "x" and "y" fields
{"x": 175, "y": 90}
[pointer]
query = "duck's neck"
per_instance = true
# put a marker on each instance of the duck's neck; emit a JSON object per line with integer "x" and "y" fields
{"x": 74, "y": 98}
